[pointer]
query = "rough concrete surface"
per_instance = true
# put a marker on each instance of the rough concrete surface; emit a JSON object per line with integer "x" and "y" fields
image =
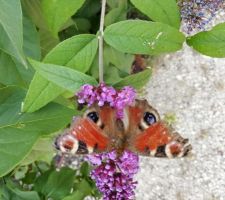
{"x": 191, "y": 86}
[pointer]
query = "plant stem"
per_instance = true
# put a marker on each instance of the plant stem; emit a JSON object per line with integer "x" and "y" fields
{"x": 100, "y": 41}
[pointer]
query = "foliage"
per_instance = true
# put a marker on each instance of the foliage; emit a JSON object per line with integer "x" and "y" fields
{"x": 210, "y": 43}
{"x": 143, "y": 37}
{"x": 165, "y": 11}
{"x": 47, "y": 52}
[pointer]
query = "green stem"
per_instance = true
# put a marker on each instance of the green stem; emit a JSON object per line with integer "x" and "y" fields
{"x": 100, "y": 41}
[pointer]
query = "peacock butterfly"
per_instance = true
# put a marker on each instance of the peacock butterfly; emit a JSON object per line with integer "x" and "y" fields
{"x": 140, "y": 130}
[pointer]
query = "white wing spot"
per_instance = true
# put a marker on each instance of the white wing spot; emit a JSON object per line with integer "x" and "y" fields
{"x": 74, "y": 132}
{"x": 90, "y": 149}
{"x": 153, "y": 152}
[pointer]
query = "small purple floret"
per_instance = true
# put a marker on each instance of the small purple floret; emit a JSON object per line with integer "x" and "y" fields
{"x": 86, "y": 95}
{"x": 125, "y": 97}
{"x": 104, "y": 94}
{"x": 113, "y": 175}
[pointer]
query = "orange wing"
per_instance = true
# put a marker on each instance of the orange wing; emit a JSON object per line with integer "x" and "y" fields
{"x": 88, "y": 132}
{"x": 158, "y": 140}
{"x": 149, "y": 135}
{"x": 83, "y": 137}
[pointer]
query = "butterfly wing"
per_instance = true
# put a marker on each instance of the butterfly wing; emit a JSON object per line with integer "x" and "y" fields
{"x": 88, "y": 134}
{"x": 158, "y": 140}
{"x": 150, "y": 136}
{"x": 141, "y": 131}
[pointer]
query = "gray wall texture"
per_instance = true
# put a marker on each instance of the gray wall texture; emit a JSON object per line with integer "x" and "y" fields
{"x": 191, "y": 86}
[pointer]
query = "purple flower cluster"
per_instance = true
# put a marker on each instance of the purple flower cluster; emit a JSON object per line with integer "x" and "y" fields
{"x": 197, "y": 13}
{"x": 113, "y": 175}
{"x": 107, "y": 95}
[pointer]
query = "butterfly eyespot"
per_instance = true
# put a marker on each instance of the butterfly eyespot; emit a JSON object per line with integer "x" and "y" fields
{"x": 93, "y": 116}
{"x": 67, "y": 144}
{"x": 149, "y": 118}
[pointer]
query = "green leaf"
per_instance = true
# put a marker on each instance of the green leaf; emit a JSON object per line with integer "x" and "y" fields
{"x": 111, "y": 75}
{"x": 135, "y": 80}
{"x": 210, "y": 43}
{"x": 12, "y": 72}
{"x": 2, "y": 86}
{"x": 83, "y": 189}
{"x": 64, "y": 77}
{"x": 76, "y": 195}
{"x": 82, "y": 24}
{"x": 165, "y": 11}
{"x": 48, "y": 42}
{"x": 57, "y": 12}
{"x": 112, "y": 3}
{"x": 120, "y": 60}
{"x": 41, "y": 151}
{"x": 76, "y": 52}
{"x": 90, "y": 9}
{"x": 11, "y": 30}
{"x": 143, "y": 37}
{"x": 66, "y": 100}
{"x": 9, "y": 75}
{"x": 85, "y": 170}
{"x": 26, "y": 73}
{"x": 31, "y": 39}
{"x": 117, "y": 65}
{"x": 115, "y": 15}
{"x": 94, "y": 71}
{"x": 17, "y": 194}
{"x": 12, "y": 191}
{"x": 19, "y": 131}
{"x": 40, "y": 92}
{"x": 40, "y": 182}
{"x": 11, "y": 137}
{"x": 33, "y": 9}
{"x": 56, "y": 184}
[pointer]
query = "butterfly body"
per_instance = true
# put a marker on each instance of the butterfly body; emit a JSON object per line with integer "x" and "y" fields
{"x": 140, "y": 130}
